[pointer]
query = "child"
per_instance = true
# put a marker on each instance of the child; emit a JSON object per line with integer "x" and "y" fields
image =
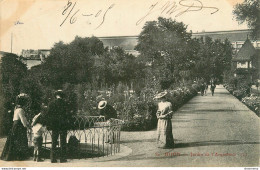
{"x": 38, "y": 129}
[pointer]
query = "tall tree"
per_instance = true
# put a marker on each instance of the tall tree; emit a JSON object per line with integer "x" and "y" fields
{"x": 12, "y": 72}
{"x": 164, "y": 44}
{"x": 249, "y": 11}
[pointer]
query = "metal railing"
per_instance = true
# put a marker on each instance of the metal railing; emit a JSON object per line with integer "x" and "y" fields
{"x": 92, "y": 137}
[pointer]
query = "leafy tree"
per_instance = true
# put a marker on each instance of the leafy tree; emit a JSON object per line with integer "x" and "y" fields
{"x": 12, "y": 72}
{"x": 249, "y": 11}
{"x": 164, "y": 44}
{"x": 73, "y": 62}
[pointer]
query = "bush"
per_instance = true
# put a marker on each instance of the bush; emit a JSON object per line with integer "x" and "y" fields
{"x": 239, "y": 94}
{"x": 140, "y": 114}
{"x": 252, "y": 102}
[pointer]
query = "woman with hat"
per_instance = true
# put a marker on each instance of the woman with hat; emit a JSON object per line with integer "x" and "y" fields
{"x": 106, "y": 110}
{"x": 16, "y": 146}
{"x": 110, "y": 113}
{"x": 164, "y": 126}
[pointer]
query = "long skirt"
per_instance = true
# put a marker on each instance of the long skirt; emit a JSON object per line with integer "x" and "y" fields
{"x": 16, "y": 146}
{"x": 164, "y": 132}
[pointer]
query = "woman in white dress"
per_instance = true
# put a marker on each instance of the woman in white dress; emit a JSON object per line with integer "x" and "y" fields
{"x": 164, "y": 126}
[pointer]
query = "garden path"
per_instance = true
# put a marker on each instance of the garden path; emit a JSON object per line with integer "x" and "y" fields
{"x": 208, "y": 131}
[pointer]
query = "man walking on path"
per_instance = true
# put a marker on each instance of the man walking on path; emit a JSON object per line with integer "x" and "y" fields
{"x": 212, "y": 86}
{"x": 57, "y": 117}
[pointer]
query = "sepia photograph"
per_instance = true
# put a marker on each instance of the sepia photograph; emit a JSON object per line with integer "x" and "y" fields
{"x": 129, "y": 83}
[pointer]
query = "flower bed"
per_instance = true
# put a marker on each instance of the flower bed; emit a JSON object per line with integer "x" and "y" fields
{"x": 141, "y": 115}
{"x": 137, "y": 110}
{"x": 253, "y": 103}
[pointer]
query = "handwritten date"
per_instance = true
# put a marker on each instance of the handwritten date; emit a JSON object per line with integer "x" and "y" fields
{"x": 72, "y": 13}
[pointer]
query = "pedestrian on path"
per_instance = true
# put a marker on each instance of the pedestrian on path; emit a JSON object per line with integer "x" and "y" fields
{"x": 206, "y": 88}
{"x": 212, "y": 86}
{"x": 38, "y": 127}
{"x": 164, "y": 127}
{"x": 202, "y": 89}
{"x": 16, "y": 146}
{"x": 57, "y": 121}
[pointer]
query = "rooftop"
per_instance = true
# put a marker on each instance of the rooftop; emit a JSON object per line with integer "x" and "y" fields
{"x": 246, "y": 52}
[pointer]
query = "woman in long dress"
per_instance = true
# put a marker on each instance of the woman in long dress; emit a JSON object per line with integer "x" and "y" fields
{"x": 164, "y": 127}
{"x": 16, "y": 146}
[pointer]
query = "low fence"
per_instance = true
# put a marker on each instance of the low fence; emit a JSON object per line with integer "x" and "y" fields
{"x": 91, "y": 136}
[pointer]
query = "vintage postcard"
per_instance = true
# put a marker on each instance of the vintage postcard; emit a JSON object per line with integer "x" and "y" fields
{"x": 129, "y": 83}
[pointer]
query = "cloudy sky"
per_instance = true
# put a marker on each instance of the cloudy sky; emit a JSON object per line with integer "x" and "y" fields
{"x": 38, "y": 24}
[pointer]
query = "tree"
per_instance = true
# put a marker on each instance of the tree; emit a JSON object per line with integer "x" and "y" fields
{"x": 73, "y": 62}
{"x": 164, "y": 44}
{"x": 249, "y": 11}
{"x": 213, "y": 58}
{"x": 12, "y": 72}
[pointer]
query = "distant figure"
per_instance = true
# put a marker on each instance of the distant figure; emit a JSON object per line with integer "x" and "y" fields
{"x": 57, "y": 121}
{"x": 212, "y": 86}
{"x": 206, "y": 88}
{"x": 38, "y": 129}
{"x": 106, "y": 110}
{"x": 202, "y": 89}
{"x": 110, "y": 113}
{"x": 164, "y": 127}
{"x": 16, "y": 146}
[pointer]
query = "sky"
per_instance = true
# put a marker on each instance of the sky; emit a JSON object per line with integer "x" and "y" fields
{"x": 38, "y": 24}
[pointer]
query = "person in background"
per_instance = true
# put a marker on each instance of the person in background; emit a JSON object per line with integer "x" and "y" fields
{"x": 164, "y": 127}
{"x": 110, "y": 114}
{"x": 106, "y": 110}
{"x": 57, "y": 122}
{"x": 212, "y": 86}
{"x": 38, "y": 129}
{"x": 16, "y": 146}
{"x": 202, "y": 89}
{"x": 206, "y": 88}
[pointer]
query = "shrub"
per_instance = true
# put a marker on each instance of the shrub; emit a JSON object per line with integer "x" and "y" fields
{"x": 253, "y": 102}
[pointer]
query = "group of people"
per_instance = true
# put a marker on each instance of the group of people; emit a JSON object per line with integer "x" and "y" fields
{"x": 204, "y": 87}
{"x": 54, "y": 117}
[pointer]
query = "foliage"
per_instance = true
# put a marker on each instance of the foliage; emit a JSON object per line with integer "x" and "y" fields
{"x": 172, "y": 55}
{"x": 163, "y": 44}
{"x": 253, "y": 102}
{"x": 249, "y": 11}
{"x": 12, "y": 73}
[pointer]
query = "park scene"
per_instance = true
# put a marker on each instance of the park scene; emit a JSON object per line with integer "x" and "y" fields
{"x": 181, "y": 100}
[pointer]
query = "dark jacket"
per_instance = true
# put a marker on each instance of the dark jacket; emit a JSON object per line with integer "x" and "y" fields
{"x": 108, "y": 112}
{"x": 57, "y": 117}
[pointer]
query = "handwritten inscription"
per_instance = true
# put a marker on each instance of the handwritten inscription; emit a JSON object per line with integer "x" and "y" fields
{"x": 72, "y": 13}
{"x": 17, "y": 23}
{"x": 172, "y": 7}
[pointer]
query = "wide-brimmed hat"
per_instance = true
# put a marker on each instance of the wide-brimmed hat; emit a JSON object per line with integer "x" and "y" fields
{"x": 22, "y": 99}
{"x": 59, "y": 93}
{"x": 160, "y": 95}
{"x": 102, "y": 104}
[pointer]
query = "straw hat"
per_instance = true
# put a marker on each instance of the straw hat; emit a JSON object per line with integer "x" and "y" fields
{"x": 102, "y": 104}
{"x": 160, "y": 95}
{"x": 59, "y": 93}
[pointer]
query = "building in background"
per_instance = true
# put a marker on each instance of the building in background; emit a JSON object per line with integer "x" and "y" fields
{"x": 246, "y": 62}
{"x": 34, "y": 57}
{"x": 236, "y": 37}
{"x": 40, "y": 54}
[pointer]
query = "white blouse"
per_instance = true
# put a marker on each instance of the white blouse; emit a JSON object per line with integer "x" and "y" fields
{"x": 165, "y": 108}
{"x": 19, "y": 114}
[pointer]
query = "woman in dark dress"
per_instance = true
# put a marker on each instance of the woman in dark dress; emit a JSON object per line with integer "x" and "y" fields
{"x": 16, "y": 146}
